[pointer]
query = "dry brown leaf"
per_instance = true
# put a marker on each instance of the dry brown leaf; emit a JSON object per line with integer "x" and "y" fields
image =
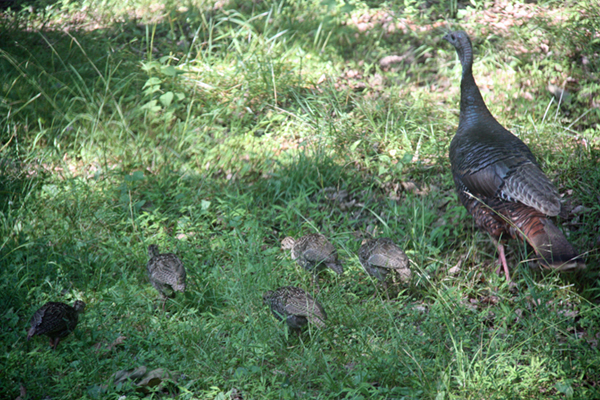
{"x": 22, "y": 393}
{"x": 143, "y": 379}
{"x": 456, "y": 269}
{"x": 409, "y": 186}
{"x": 129, "y": 374}
{"x": 235, "y": 394}
{"x": 152, "y": 379}
{"x": 117, "y": 342}
{"x": 491, "y": 299}
{"x": 386, "y": 61}
{"x": 101, "y": 345}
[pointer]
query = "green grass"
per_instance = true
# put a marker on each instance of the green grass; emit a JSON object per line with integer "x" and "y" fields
{"x": 217, "y": 129}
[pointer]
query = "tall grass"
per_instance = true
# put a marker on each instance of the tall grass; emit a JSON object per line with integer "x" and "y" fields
{"x": 216, "y": 129}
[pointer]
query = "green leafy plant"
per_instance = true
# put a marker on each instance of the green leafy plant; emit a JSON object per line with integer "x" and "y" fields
{"x": 215, "y": 129}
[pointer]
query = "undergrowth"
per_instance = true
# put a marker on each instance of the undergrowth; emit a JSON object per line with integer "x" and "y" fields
{"x": 215, "y": 129}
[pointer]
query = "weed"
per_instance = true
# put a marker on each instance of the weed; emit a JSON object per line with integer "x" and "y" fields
{"x": 215, "y": 129}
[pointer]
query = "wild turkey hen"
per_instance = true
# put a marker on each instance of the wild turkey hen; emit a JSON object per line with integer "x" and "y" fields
{"x": 313, "y": 252}
{"x": 55, "y": 320}
{"x": 498, "y": 179}
{"x": 295, "y": 306}
{"x": 166, "y": 273}
{"x": 381, "y": 256}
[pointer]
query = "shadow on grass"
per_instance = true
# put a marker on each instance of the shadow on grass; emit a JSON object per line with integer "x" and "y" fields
{"x": 227, "y": 231}
{"x": 87, "y": 238}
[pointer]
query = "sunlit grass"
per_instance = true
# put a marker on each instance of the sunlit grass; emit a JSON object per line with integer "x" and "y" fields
{"x": 215, "y": 129}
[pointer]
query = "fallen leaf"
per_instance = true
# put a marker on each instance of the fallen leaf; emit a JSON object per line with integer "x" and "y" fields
{"x": 409, "y": 186}
{"x": 456, "y": 269}
{"x": 142, "y": 379}
{"x": 22, "y": 393}
{"x": 152, "y": 379}
{"x": 100, "y": 345}
{"x": 386, "y": 61}
{"x": 581, "y": 210}
{"x": 235, "y": 394}
{"x": 129, "y": 374}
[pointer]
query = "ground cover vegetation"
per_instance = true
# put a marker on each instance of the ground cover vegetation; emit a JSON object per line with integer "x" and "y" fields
{"x": 215, "y": 129}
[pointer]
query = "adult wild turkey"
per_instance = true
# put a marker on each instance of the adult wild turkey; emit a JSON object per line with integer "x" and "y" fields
{"x": 498, "y": 179}
{"x": 313, "y": 252}
{"x": 381, "y": 256}
{"x": 55, "y": 320}
{"x": 295, "y": 306}
{"x": 166, "y": 273}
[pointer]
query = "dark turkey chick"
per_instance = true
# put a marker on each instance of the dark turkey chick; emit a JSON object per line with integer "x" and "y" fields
{"x": 166, "y": 273}
{"x": 55, "y": 320}
{"x": 313, "y": 252}
{"x": 381, "y": 256}
{"x": 295, "y": 306}
{"x": 498, "y": 179}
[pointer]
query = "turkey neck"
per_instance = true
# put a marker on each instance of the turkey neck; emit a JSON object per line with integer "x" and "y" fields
{"x": 472, "y": 106}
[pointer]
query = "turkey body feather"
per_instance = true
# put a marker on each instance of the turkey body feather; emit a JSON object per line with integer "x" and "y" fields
{"x": 166, "y": 273}
{"x": 55, "y": 320}
{"x": 313, "y": 252}
{"x": 499, "y": 180}
{"x": 295, "y": 306}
